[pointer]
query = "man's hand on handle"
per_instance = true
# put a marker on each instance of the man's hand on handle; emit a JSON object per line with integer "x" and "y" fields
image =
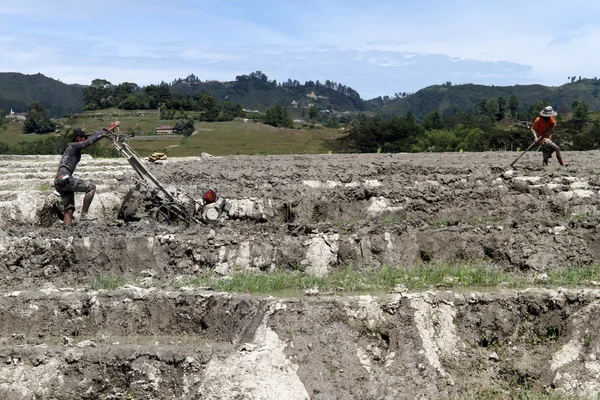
{"x": 113, "y": 126}
{"x": 542, "y": 139}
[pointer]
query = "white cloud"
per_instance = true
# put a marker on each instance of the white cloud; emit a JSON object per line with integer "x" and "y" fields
{"x": 377, "y": 48}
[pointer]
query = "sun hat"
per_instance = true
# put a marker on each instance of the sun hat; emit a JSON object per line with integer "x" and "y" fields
{"x": 79, "y": 132}
{"x": 548, "y": 112}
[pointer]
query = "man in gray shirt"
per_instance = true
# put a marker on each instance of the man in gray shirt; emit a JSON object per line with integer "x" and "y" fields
{"x": 66, "y": 184}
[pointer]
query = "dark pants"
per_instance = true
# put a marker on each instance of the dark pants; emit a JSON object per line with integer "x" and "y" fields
{"x": 68, "y": 187}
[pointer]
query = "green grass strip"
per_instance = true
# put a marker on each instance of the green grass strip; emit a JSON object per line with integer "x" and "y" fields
{"x": 437, "y": 275}
{"x": 575, "y": 276}
{"x": 107, "y": 283}
{"x": 352, "y": 279}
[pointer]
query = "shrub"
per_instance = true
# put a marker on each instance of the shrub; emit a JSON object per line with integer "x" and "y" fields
{"x": 184, "y": 126}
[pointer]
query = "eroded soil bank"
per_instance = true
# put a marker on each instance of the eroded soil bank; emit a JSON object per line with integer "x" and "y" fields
{"x": 137, "y": 343}
{"x": 312, "y": 213}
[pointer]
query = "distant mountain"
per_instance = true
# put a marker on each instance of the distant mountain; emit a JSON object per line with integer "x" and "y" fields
{"x": 18, "y": 90}
{"x": 448, "y": 99}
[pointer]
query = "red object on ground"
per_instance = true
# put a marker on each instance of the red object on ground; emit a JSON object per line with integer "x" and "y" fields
{"x": 210, "y": 196}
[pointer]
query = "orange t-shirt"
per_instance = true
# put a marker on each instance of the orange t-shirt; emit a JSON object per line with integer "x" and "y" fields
{"x": 540, "y": 126}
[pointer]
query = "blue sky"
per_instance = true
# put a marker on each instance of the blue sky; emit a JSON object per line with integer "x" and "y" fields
{"x": 377, "y": 47}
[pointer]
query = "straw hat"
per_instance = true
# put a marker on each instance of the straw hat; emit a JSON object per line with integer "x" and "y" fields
{"x": 548, "y": 112}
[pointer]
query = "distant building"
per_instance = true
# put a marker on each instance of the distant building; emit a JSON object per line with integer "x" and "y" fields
{"x": 164, "y": 130}
{"x": 17, "y": 116}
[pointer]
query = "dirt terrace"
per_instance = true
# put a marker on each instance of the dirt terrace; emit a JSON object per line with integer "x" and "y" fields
{"x": 313, "y": 213}
{"x": 149, "y": 343}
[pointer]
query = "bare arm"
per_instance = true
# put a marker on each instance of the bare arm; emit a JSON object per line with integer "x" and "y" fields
{"x": 544, "y": 134}
{"x": 90, "y": 140}
{"x": 97, "y": 136}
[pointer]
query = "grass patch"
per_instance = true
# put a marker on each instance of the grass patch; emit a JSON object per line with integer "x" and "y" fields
{"x": 450, "y": 275}
{"x": 392, "y": 220}
{"x": 236, "y": 137}
{"x": 546, "y": 396}
{"x": 347, "y": 223}
{"x": 575, "y": 276}
{"x": 249, "y": 138}
{"x": 357, "y": 280}
{"x": 251, "y": 282}
{"x": 492, "y": 394}
{"x": 529, "y": 395}
{"x": 107, "y": 283}
{"x": 14, "y": 134}
{"x": 353, "y": 280}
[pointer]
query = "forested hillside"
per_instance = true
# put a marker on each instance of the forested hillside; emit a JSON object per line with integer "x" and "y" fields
{"x": 448, "y": 99}
{"x": 256, "y": 92}
{"x": 18, "y": 91}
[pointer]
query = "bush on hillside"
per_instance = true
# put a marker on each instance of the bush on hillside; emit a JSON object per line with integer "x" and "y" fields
{"x": 184, "y": 126}
{"x": 279, "y": 117}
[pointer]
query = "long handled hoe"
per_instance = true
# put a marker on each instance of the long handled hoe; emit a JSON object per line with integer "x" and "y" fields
{"x": 537, "y": 141}
{"x": 523, "y": 153}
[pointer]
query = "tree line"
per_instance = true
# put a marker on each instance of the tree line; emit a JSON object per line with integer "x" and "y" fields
{"x": 102, "y": 94}
{"x": 478, "y": 130}
{"x": 484, "y": 128}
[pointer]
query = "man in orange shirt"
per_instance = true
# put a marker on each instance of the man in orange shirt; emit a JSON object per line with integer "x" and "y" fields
{"x": 542, "y": 133}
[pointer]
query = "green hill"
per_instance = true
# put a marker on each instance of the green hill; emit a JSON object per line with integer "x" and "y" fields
{"x": 448, "y": 99}
{"x": 256, "y": 92}
{"x": 18, "y": 90}
{"x": 253, "y": 92}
